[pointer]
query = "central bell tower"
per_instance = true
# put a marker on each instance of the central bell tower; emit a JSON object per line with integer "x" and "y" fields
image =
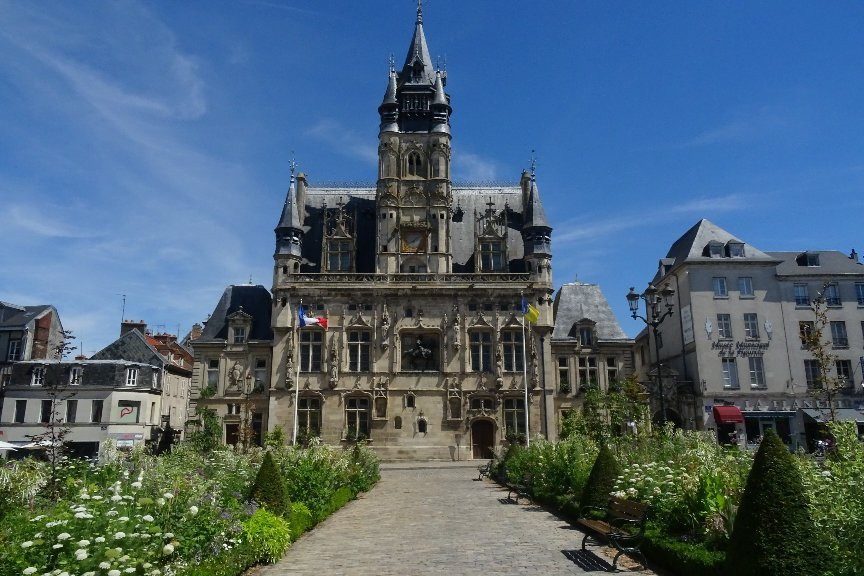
{"x": 414, "y": 192}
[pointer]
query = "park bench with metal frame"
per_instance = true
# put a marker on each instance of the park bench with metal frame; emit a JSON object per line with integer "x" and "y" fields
{"x": 622, "y": 526}
{"x": 484, "y": 470}
{"x": 520, "y": 488}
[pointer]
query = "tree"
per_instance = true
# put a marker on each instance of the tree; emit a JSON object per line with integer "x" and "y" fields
{"x": 774, "y": 533}
{"x": 269, "y": 490}
{"x": 601, "y": 480}
{"x": 828, "y": 382}
{"x": 56, "y": 387}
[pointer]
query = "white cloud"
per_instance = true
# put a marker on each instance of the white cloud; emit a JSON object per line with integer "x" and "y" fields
{"x": 598, "y": 230}
{"x": 343, "y": 140}
{"x": 469, "y": 167}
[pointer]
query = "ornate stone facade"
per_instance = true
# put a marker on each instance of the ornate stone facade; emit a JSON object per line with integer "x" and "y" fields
{"x": 421, "y": 285}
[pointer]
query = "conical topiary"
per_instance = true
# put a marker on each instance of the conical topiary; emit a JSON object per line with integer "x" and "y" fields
{"x": 773, "y": 532}
{"x": 268, "y": 490}
{"x": 601, "y": 480}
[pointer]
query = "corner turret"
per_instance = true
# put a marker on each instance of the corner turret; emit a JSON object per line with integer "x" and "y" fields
{"x": 536, "y": 232}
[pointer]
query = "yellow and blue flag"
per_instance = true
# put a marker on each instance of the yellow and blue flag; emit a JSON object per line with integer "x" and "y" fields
{"x": 530, "y": 313}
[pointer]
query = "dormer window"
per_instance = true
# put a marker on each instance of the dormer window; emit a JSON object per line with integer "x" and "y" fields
{"x": 131, "y": 376}
{"x": 808, "y": 259}
{"x": 714, "y": 249}
{"x": 491, "y": 256}
{"x": 339, "y": 256}
{"x": 239, "y": 334}
{"x": 38, "y": 376}
{"x": 735, "y": 249}
{"x": 586, "y": 336}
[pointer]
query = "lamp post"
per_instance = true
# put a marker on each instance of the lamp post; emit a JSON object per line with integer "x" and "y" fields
{"x": 654, "y": 316}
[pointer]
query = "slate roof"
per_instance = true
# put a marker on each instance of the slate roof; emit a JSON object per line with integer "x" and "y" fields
{"x": 255, "y": 301}
{"x": 360, "y": 204}
{"x": 132, "y": 346}
{"x": 13, "y": 316}
{"x": 578, "y": 301}
{"x": 536, "y": 216}
{"x": 831, "y": 262}
{"x": 691, "y": 245}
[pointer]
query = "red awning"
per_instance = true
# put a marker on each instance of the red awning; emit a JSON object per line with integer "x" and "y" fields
{"x": 727, "y": 415}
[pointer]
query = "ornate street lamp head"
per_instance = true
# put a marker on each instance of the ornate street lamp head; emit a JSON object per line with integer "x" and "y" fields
{"x": 633, "y": 301}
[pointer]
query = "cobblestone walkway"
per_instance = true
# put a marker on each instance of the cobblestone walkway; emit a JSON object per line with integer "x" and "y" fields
{"x": 435, "y": 518}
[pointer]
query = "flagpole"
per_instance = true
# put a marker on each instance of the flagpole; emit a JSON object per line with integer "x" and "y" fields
{"x": 525, "y": 379}
{"x": 297, "y": 379}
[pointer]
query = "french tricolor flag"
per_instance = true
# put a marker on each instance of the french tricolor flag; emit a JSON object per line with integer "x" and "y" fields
{"x": 306, "y": 320}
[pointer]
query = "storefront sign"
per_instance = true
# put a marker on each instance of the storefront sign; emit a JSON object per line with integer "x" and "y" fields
{"x": 727, "y": 348}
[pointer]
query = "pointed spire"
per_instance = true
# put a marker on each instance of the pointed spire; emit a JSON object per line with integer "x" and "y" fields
{"x": 440, "y": 97}
{"x": 290, "y": 214}
{"x": 534, "y": 215}
{"x": 418, "y": 67}
{"x": 390, "y": 94}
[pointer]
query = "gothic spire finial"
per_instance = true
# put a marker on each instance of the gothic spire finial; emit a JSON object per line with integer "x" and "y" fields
{"x": 392, "y": 64}
{"x": 419, "y": 11}
{"x": 533, "y": 165}
{"x": 292, "y": 164}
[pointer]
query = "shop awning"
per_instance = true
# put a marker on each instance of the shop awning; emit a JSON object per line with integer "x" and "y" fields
{"x": 728, "y": 415}
{"x": 840, "y": 414}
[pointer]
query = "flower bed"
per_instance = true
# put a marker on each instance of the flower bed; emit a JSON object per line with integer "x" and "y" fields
{"x": 694, "y": 486}
{"x": 181, "y": 513}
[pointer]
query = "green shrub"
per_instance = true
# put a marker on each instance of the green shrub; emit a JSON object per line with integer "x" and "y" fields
{"x": 230, "y": 563}
{"x": 364, "y": 471}
{"x": 267, "y": 536}
{"x": 300, "y": 519}
{"x": 773, "y": 532}
{"x": 341, "y": 497}
{"x": 269, "y": 488}
{"x": 682, "y": 557}
{"x": 602, "y": 479}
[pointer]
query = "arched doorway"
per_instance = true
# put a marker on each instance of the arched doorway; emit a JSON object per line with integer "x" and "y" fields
{"x": 671, "y": 416}
{"x": 482, "y": 439}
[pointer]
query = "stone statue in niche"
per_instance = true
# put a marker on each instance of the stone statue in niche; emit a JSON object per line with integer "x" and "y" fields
{"x": 499, "y": 367}
{"x": 236, "y": 373}
{"x": 709, "y": 327}
{"x": 289, "y": 369}
{"x": 334, "y": 366}
{"x": 385, "y": 328}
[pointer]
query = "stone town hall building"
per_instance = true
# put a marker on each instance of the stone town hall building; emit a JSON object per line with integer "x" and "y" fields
{"x": 420, "y": 282}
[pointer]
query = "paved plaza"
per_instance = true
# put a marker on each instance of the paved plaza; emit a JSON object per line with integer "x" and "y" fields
{"x": 436, "y": 518}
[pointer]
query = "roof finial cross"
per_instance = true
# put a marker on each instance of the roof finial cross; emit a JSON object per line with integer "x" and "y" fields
{"x": 292, "y": 164}
{"x": 392, "y": 63}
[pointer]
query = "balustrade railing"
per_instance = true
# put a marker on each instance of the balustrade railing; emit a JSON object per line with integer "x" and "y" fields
{"x": 356, "y": 278}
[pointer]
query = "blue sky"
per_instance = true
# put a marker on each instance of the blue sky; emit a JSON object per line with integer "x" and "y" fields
{"x": 145, "y": 146}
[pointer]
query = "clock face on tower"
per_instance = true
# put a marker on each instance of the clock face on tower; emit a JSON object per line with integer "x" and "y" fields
{"x": 413, "y": 241}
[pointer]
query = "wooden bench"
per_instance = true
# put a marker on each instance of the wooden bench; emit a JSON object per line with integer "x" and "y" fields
{"x": 484, "y": 470}
{"x": 521, "y": 488}
{"x": 622, "y": 526}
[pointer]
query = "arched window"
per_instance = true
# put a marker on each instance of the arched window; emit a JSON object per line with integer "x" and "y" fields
{"x": 415, "y": 164}
{"x": 421, "y": 425}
